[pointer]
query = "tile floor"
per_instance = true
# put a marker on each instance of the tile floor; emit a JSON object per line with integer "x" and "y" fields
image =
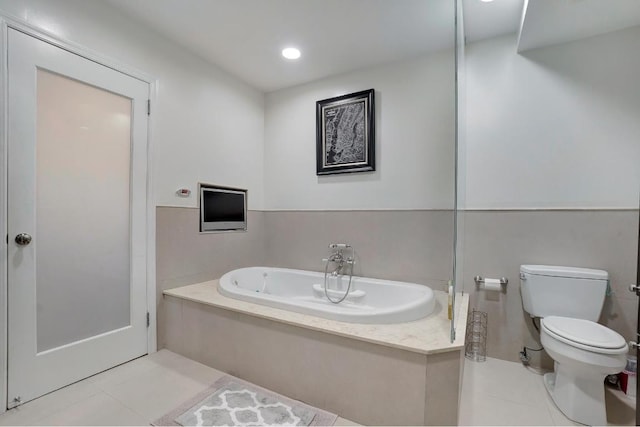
{"x": 494, "y": 392}
{"x": 497, "y": 392}
{"x": 134, "y": 394}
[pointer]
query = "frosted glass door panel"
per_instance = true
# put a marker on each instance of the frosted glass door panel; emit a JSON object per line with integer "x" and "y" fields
{"x": 83, "y": 162}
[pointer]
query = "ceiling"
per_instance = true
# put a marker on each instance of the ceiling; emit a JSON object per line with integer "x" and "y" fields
{"x": 484, "y": 20}
{"x": 559, "y": 21}
{"x": 245, "y": 37}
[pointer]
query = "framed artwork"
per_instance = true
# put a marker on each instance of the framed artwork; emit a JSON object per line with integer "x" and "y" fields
{"x": 345, "y": 134}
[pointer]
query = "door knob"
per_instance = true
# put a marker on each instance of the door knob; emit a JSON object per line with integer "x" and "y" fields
{"x": 23, "y": 239}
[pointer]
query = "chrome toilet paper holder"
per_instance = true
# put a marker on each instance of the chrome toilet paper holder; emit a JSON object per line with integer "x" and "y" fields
{"x": 488, "y": 284}
{"x": 481, "y": 281}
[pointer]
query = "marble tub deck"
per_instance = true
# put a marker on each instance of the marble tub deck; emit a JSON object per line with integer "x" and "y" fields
{"x": 396, "y": 374}
{"x": 429, "y": 335}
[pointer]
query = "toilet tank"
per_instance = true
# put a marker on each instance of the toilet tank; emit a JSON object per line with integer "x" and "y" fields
{"x": 563, "y": 291}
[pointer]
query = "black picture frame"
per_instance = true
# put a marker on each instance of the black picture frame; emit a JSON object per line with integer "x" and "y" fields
{"x": 345, "y": 134}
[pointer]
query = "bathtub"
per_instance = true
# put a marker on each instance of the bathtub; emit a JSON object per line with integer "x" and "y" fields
{"x": 369, "y": 301}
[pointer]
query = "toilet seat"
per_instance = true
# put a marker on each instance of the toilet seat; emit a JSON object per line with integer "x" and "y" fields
{"x": 584, "y": 334}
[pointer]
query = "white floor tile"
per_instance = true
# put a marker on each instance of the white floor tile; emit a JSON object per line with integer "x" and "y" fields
{"x": 186, "y": 367}
{"x": 344, "y": 422}
{"x": 100, "y": 409}
{"x": 558, "y": 417}
{"x": 477, "y": 409}
{"x": 30, "y": 412}
{"x": 505, "y": 380}
{"x": 494, "y": 392}
{"x": 122, "y": 373}
{"x": 155, "y": 392}
{"x": 135, "y": 393}
{"x": 498, "y": 392}
{"x": 620, "y": 410}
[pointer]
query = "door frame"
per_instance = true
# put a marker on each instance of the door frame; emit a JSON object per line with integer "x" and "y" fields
{"x": 6, "y": 22}
{"x": 637, "y": 337}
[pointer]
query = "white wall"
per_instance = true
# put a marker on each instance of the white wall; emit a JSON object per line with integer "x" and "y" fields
{"x": 554, "y": 127}
{"x": 208, "y": 124}
{"x": 414, "y": 147}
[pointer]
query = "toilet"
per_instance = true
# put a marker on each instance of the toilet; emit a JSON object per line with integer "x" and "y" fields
{"x": 569, "y": 301}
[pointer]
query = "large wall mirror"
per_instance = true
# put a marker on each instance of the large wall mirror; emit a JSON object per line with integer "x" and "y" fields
{"x": 548, "y": 166}
{"x": 399, "y": 218}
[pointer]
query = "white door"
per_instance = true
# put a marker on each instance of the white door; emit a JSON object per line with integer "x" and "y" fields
{"x": 76, "y": 213}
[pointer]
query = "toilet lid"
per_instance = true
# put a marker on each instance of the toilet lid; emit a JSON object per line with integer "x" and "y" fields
{"x": 584, "y": 332}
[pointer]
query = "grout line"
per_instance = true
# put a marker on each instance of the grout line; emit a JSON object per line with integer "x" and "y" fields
{"x": 426, "y": 396}
{"x": 131, "y": 408}
{"x": 61, "y": 408}
{"x": 548, "y": 402}
{"x": 125, "y": 404}
{"x": 146, "y": 365}
{"x": 162, "y": 370}
{"x": 526, "y": 374}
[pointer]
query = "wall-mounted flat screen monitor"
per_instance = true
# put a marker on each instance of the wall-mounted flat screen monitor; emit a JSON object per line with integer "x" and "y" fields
{"x": 222, "y": 209}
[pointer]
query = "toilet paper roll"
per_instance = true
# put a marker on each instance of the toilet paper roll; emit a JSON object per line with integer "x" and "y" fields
{"x": 492, "y": 284}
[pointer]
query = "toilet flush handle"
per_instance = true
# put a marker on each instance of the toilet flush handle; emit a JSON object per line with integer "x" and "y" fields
{"x": 633, "y": 345}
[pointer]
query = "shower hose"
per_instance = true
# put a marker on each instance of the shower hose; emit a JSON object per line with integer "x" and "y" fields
{"x": 332, "y": 258}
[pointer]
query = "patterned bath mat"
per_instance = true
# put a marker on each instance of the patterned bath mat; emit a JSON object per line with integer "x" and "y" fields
{"x": 233, "y": 402}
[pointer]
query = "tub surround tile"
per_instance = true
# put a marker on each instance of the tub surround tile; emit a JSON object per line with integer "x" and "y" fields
{"x": 443, "y": 381}
{"x": 183, "y": 251}
{"x": 197, "y": 325}
{"x": 366, "y": 382}
{"x": 427, "y": 336}
{"x": 397, "y": 374}
{"x": 169, "y": 335}
{"x": 496, "y": 243}
{"x": 407, "y": 245}
{"x": 415, "y": 246}
{"x": 185, "y": 256}
{"x": 620, "y": 314}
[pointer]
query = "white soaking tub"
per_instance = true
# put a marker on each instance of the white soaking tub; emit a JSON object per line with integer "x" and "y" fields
{"x": 369, "y": 301}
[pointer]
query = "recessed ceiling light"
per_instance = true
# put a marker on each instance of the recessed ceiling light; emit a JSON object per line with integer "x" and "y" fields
{"x": 291, "y": 53}
{"x": 486, "y": 1}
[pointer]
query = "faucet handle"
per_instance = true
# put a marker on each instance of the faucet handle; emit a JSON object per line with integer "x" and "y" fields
{"x": 339, "y": 246}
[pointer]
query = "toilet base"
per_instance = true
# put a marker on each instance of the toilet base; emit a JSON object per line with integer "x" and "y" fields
{"x": 579, "y": 397}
